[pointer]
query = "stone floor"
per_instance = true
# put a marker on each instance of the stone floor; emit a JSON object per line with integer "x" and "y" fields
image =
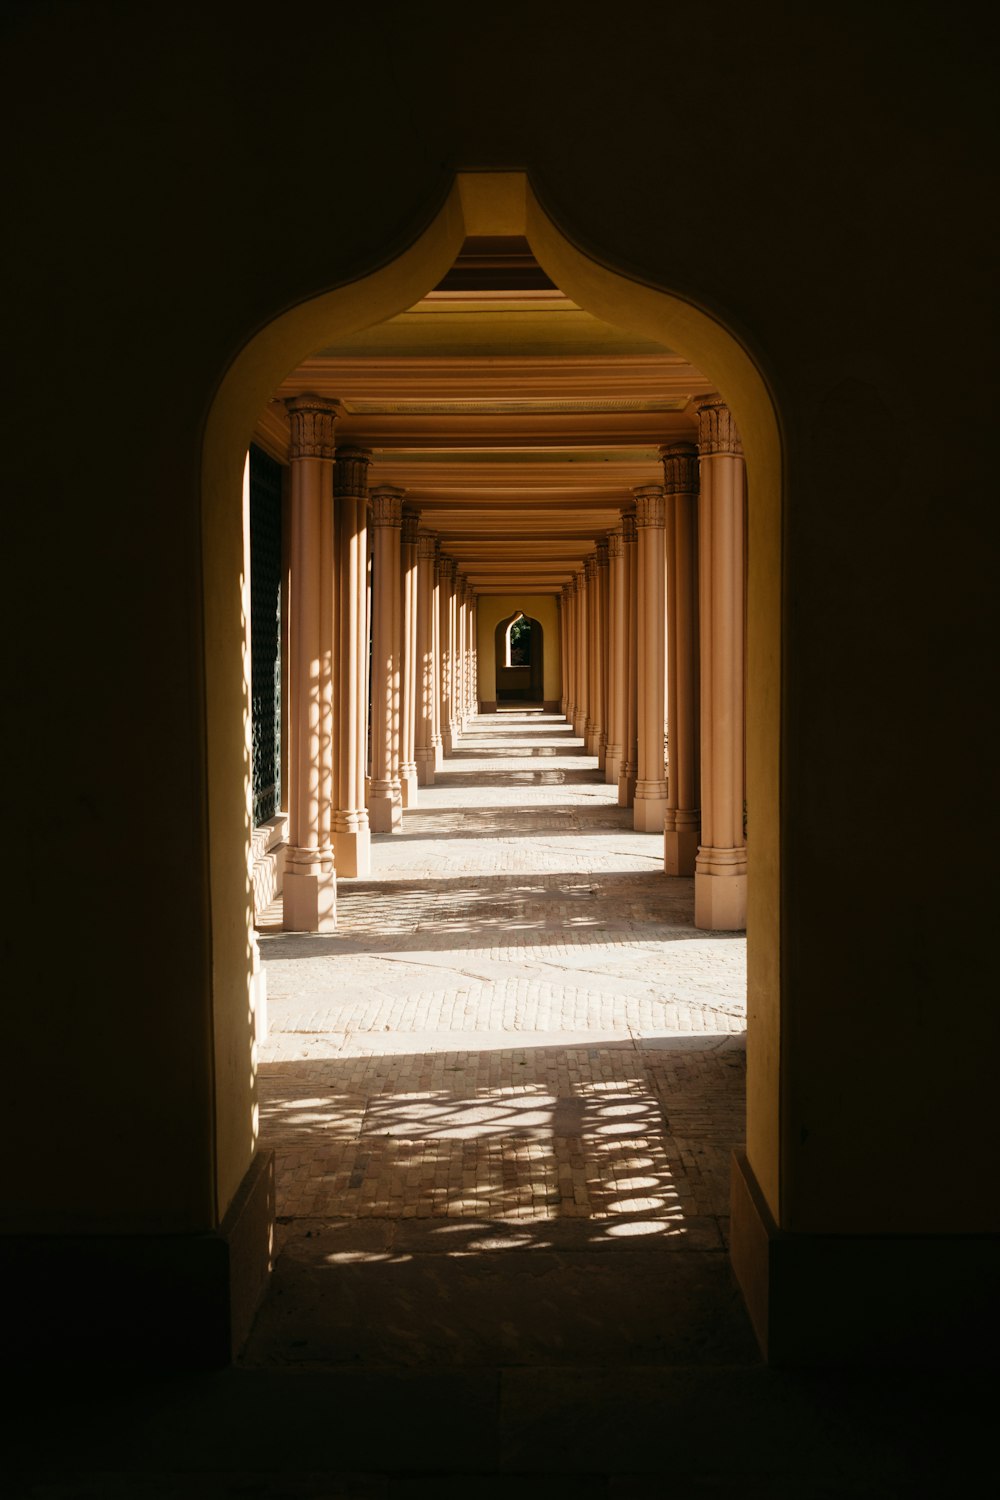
{"x": 502, "y": 1098}
{"x": 516, "y": 1020}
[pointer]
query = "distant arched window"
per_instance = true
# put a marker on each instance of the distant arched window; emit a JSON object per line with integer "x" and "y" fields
{"x": 517, "y": 642}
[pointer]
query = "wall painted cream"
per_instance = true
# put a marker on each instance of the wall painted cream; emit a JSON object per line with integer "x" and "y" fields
{"x": 491, "y": 609}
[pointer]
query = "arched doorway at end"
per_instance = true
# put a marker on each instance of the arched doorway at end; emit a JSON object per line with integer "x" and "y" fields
{"x": 518, "y": 653}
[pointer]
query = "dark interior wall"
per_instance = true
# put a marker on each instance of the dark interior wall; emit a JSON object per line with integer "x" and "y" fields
{"x": 816, "y": 178}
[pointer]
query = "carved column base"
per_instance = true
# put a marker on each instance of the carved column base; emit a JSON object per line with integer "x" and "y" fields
{"x": 437, "y": 747}
{"x": 385, "y": 807}
{"x": 681, "y": 837}
{"x": 580, "y": 726}
{"x": 602, "y": 752}
{"x": 448, "y": 737}
{"x": 426, "y": 760}
{"x": 612, "y": 764}
{"x": 591, "y": 740}
{"x": 408, "y": 783}
{"x": 309, "y": 891}
{"x": 650, "y": 806}
{"x": 720, "y": 890}
{"x": 626, "y": 785}
{"x": 353, "y": 850}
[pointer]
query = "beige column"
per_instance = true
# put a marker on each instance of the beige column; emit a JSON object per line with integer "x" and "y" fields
{"x": 591, "y": 733}
{"x": 651, "y": 784}
{"x": 423, "y": 752}
{"x": 310, "y": 888}
{"x": 563, "y": 651}
{"x": 409, "y": 690}
{"x": 566, "y": 656}
{"x": 682, "y": 825}
{"x": 629, "y": 767}
{"x": 386, "y": 806}
{"x": 473, "y": 654}
{"x": 580, "y": 713}
{"x": 616, "y": 657}
{"x": 601, "y": 653}
{"x": 446, "y": 578}
{"x": 720, "y": 877}
{"x": 437, "y": 647}
{"x": 351, "y": 835}
{"x": 461, "y": 665}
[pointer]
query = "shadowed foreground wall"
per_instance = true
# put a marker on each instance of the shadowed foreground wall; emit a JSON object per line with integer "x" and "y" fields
{"x": 168, "y": 201}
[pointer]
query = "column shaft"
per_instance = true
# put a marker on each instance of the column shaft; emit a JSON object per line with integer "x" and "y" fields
{"x": 409, "y": 683}
{"x": 424, "y": 726}
{"x": 351, "y": 835}
{"x": 683, "y": 819}
{"x": 720, "y": 868}
{"x": 437, "y": 646}
{"x": 616, "y": 657}
{"x": 581, "y": 710}
{"x": 309, "y": 898}
{"x": 386, "y": 810}
{"x": 630, "y": 721}
{"x": 446, "y": 577}
{"x": 651, "y": 786}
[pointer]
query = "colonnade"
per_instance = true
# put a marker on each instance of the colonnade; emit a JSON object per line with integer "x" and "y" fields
{"x": 378, "y": 616}
{"x": 652, "y": 633}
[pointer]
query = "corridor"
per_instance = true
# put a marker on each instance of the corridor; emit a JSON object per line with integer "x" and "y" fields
{"x": 515, "y": 1053}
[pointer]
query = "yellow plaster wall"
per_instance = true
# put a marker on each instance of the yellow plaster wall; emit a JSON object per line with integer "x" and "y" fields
{"x": 491, "y": 609}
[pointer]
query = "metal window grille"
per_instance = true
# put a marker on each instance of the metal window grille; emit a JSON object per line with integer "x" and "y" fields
{"x": 265, "y": 632}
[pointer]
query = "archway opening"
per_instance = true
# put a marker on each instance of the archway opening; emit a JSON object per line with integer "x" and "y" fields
{"x": 478, "y": 206}
{"x": 519, "y": 656}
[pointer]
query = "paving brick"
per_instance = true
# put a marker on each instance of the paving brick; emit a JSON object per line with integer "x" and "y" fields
{"x": 516, "y": 1018}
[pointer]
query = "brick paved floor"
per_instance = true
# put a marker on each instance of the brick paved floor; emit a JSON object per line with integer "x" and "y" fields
{"x": 516, "y": 1021}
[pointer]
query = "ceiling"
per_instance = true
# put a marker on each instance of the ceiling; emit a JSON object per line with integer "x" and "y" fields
{"x": 516, "y": 422}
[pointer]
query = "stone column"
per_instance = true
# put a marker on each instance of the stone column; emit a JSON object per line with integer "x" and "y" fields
{"x": 446, "y": 577}
{"x": 386, "y": 809}
{"x": 580, "y": 710}
{"x": 473, "y": 654}
{"x": 409, "y": 691}
{"x": 682, "y": 823}
{"x": 461, "y": 665}
{"x": 720, "y": 877}
{"x": 628, "y": 769}
{"x": 437, "y": 647}
{"x": 601, "y": 653}
{"x": 563, "y": 652}
{"x": 351, "y": 834}
{"x": 616, "y": 657}
{"x": 310, "y": 887}
{"x": 651, "y": 784}
{"x": 592, "y": 731}
{"x": 423, "y": 753}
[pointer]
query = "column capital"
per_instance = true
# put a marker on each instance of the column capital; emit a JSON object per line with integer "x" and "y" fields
{"x": 387, "y": 506}
{"x": 602, "y": 553}
{"x": 649, "y": 506}
{"x": 579, "y": 582}
{"x": 680, "y": 468}
{"x": 411, "y": 520}
{"x": 716, "y": 429}
{"x": 311, "y": 419}
{"x": 446, "y": 567}
{"x": 590, "y": 566}
{"x": 616, "y": 542}
{"x": 628, "y": 529}
{"x": 350, "y": 472}
{"x": 427, "y": 544}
